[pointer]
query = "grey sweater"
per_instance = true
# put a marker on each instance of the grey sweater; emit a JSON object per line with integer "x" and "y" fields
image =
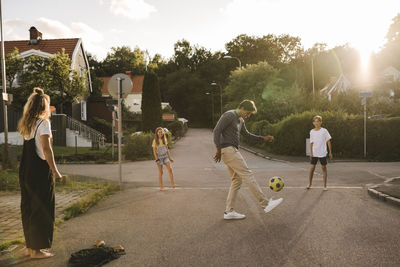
{"x": 228, "y": 129}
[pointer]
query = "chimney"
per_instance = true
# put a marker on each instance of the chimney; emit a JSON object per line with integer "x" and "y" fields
{"x": 34, "y": 36}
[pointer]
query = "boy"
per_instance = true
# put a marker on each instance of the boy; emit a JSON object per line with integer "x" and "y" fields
{"x": 226, "y": 139}
{"x": 319, "y": 137}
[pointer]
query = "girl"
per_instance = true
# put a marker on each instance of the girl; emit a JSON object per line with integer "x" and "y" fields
{"x": 162, "y": 156}
{"x": 37, "y": 175}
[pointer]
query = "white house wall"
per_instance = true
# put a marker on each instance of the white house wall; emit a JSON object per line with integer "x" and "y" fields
{"x": 81, "y": 141}
{"x": 134, "y": 103}
{"x": 14, "y": 138}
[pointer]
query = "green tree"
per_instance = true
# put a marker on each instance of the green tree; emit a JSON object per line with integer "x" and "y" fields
{"x": 55, "y": 76}
{"x": 123, "y": 59}
{"x": 151, "y": 102}
{"x": 64, "y": 83}
{"x": 14, "y": 66}
{"x": 276, "y": 50}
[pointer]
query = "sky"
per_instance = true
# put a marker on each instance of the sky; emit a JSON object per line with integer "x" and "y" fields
{"x": 156, "y": 25}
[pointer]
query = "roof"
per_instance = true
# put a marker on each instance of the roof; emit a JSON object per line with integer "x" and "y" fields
{"x": 51, "y": 46}
{"x": 137, "y": 82}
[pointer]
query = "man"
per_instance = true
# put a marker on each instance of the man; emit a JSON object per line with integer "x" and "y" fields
{"x": 226, "y": 138}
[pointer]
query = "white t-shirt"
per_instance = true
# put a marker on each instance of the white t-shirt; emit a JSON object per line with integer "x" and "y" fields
{"x": 319, "y": 139}
{"x": 44, "y": 128}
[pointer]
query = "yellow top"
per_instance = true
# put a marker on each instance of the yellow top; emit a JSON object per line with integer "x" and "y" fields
{"x": 160, "y": 143}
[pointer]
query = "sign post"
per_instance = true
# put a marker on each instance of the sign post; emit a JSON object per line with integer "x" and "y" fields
{"x": 119, "y": 86}
{"x": 364, "y": 96}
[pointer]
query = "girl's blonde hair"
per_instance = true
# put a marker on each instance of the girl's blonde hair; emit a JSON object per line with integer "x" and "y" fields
{"x": 37, "y": 107}
{"x": 164, "y": 138}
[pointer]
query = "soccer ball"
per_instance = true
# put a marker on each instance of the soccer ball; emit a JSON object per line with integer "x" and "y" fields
{"x": 276, "y": 183}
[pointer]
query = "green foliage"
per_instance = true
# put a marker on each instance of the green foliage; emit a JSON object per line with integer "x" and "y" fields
{"x": 102, "y": 126}
{"x": 138, "y": 147}
{"x": 14, "y": 66}
{"x": 151, "y": 102}
{"x": 276, "y": 50}
{"x": 176, "y": 128}
{"x": 54, "y": 75}
{"x": 346, "y": 131}
{"x": 83, "y": 205}
{"x": 9, "y": 180}
{"x": 7, "y": 244}
{"x": 122, "y": 59}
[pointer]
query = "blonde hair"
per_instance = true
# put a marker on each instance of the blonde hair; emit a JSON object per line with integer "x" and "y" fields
{"x": 319, "y": 118}
{"x": 37, "y": 107}
{"x": 164, "y": 138}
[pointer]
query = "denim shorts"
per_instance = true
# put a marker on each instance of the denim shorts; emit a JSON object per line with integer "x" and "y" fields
{"x": 163, "y": 160}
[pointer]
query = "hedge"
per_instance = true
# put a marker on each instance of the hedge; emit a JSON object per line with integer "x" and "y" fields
{"x": 347, "y": 131}
{"x": 139, "y": 147}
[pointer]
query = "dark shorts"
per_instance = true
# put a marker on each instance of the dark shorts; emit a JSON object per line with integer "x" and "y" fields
{"x": 314, "y": 161}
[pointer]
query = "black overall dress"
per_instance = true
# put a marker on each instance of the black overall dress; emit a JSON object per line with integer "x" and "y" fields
{"x": 37, "y": 197}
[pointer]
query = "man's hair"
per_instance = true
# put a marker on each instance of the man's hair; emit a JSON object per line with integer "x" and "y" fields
{"x": 319, "y": 118}
{"x": 248, "y": 105}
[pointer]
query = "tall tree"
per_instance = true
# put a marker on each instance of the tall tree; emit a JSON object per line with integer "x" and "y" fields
{"x": 151, "y": 102}
{"x": 123, "y": 59}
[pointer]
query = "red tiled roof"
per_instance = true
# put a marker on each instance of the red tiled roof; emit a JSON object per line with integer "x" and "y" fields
{"x": 51, "y": 46}
{"x": 137, "y": 82}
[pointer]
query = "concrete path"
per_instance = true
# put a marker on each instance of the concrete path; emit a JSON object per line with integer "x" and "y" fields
{"x": 184, "y": 227}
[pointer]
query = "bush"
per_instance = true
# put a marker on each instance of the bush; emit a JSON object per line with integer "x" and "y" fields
{"x": 346, "y": 131}
{"x": 176, "y": 128}
{"x": 138, "y": 147}
{"x": 102, "y": 126}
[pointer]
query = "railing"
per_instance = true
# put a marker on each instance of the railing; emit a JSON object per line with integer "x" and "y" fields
{"x": 83, "y": 130}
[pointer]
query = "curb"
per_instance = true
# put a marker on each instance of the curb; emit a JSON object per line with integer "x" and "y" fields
{"x": 262, "y": 155}
{"x": 384, "y": 197}
{"x": 371, "y": 191}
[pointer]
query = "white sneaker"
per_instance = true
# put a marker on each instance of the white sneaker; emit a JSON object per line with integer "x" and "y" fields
{"x": 233, "y": 215}
{"x": 273, "y": 204}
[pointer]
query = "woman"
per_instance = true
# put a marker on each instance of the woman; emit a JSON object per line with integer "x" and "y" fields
{"x": 162, "y": 156}
{"x": 37, "y": 175}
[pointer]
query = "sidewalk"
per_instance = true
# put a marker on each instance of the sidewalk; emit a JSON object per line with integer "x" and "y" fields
{"x": 389, "y": 191}
{"x": 10, "y": 213}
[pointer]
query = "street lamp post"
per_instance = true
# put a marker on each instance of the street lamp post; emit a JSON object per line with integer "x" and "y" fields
{"x": 312, "y": 74}
{"x": 240, "y": 63}
{"x": 212, "y": 106}
{"x": 220, "y": 95}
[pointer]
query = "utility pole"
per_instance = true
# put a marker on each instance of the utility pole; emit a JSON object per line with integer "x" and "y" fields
{"x": 4, "y": 93}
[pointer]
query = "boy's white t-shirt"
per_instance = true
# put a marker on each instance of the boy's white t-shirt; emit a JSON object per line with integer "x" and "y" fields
{"x": 43, "y": 129}
{"x": 319, "y": 139}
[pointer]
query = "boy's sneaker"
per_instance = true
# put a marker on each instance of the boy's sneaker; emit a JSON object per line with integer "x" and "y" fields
{"x": 273, "y": 204}
{"x": 233, "y": 215}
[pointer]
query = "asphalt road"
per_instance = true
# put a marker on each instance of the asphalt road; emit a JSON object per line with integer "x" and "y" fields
{"x": 343, "y": 226}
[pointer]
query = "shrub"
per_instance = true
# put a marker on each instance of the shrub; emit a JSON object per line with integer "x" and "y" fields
{"x": 346, "y": 131}
{"x": 176, "y": 128}
{"x": 102, "y": 126}
{"x": 138, "y": 147}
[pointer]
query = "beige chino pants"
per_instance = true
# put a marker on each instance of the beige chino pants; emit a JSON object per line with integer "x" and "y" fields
{"x": 239, "y": 172}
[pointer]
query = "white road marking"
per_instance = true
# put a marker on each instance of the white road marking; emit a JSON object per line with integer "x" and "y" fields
{"x": 227, "y": 188}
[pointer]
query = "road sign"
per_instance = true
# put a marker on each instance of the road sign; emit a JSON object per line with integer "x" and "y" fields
{"x": 363, "y": 101}
{"x": 365, "y": 94}
{"x": 113, "y": 85}
{"x": 111, "y": 102}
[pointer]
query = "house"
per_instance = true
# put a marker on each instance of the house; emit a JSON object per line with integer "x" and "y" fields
{"x": 73, "y": 47}
{"x": 336, "y": 86}
{"x": 98, "y": 106}
{"x": 67, "y": 131}
{"x": 391, "y": 74}
{"x": 134, "y": 100}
